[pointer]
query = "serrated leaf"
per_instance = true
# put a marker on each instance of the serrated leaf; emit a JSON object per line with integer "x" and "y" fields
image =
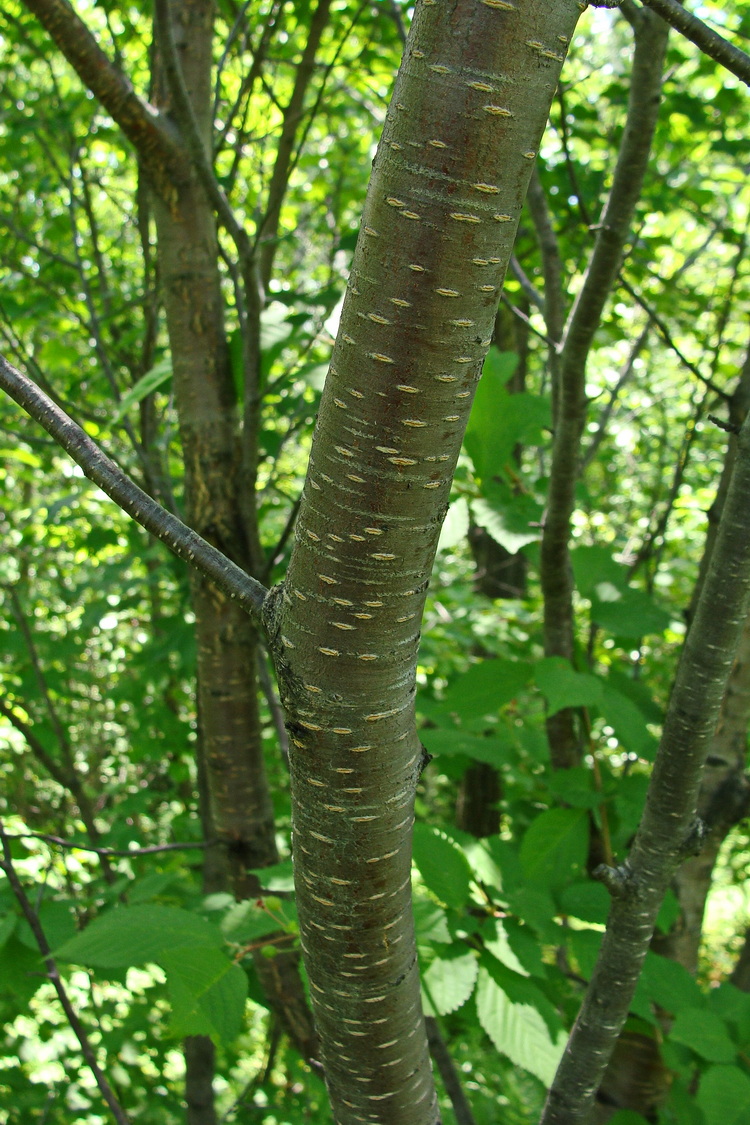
{"x": 513, "y": 522}
{"x": 724, "y": 1096}
{"x": 562, "y": 686}
{"x": 430, "y": 923}
{"x": 499, "y": 421}
{"x": 517, "y": 1030}
{"x": 443, "y": 866}
{"x": 133, "y": 935}
{"x": 449, "y": 981}
{"x": 496, "y": 943}
{"x": 207, "y": 992}
{"x": 555, "y": 847}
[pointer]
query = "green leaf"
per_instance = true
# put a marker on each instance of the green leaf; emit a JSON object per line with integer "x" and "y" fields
{"x": 584, "y": 946}
{"x": 207, "y": 992}
{"x": 133, "y": 935}
{"x": 733, "y": 1006}
{"x": 499, "y": 421}
{"x": 492, "y": 750}
{"x": 7, "y": 926}
{"x": 630, "y": 613}
{"x": 588, "y": 901}
{"x": 627, "y": 1117}
{"x": 564, "y": 687}
{"x": 276, "y": 877}
{"x": 247, "y": 921}
{"x": 555, "y": 847}
{"x": 430, "y": 922}
{"x": 496, "y": 943}
{"x": 705, "y": 1033}
{"x": 593, "y": 566}
{"x": 449, "y": 981}
{"x": 146, "y": 385}
{"x": 628, "y": 722}
{"x": 57, "y": 921}
{"x": 486, "y": 687}
{"x": 443, "y": 866}
{"x": 575, "y": 787}
{"x": 518, "y": 1030}
{"x": 724, "y": 1096}
{"x": 668, "y": 984}
{"x": 512, "y": 521}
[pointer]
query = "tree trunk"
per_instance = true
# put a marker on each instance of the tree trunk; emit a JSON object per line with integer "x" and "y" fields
{"x": 449, "y": 178}
{"x": 725, "y": 790}
{"x": 230, "y": 734}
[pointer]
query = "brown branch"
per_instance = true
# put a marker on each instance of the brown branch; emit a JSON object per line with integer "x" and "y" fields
{"x": 668, "y": 831}
{"x": 704, "y": 37}
{"x": 268, "y": 232}
{"x": 160, "y": 155}
{"x": 442, "y": 1058}
{"x": 180, "y": 539}
{"x": 583, "y": 322}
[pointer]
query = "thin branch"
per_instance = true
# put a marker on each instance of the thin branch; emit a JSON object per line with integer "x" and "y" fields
{"x": 668, "y": 831}
{"x": 269, "y": 228}
{"x": 704, "y": 37}
{"x": 180, "y": 539}
{"x": 669, "y": 340}
{"x": 53, "y": 975}
{"x": 274, "y": 705}
{"x": 160, "y": 155}
{"x": 526, "y": 283}
{"x": 583, "y": 322}
{"x": 126, "y": 853}
{"x": 445, "y": 1064}
{"x": 626, "y": 372}
{"x": 522, "y": 316}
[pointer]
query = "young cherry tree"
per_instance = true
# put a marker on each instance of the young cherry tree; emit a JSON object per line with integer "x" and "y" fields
{"x": 458, "y": 145}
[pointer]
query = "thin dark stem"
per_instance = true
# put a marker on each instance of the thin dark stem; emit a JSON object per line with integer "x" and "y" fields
{"x": 53, "y": 974}
{"x": 704, "y": 37}
{"x": 126, "y": 853}
{"x": 180, "y": 539}
{"x": 668, "y": 831}
{"x": 445, "y": 1064}
{"x": 669, "y": 340}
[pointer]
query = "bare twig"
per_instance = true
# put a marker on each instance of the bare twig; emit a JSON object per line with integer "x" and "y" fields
{"x": 180, "y": 539}
{"x": 704, "y": 37}
{"x": 125, "y": 853}
{"x": 53, "y": 975}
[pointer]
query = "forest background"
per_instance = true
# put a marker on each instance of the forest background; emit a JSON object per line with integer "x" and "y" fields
{"x": 144, "y": 751}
